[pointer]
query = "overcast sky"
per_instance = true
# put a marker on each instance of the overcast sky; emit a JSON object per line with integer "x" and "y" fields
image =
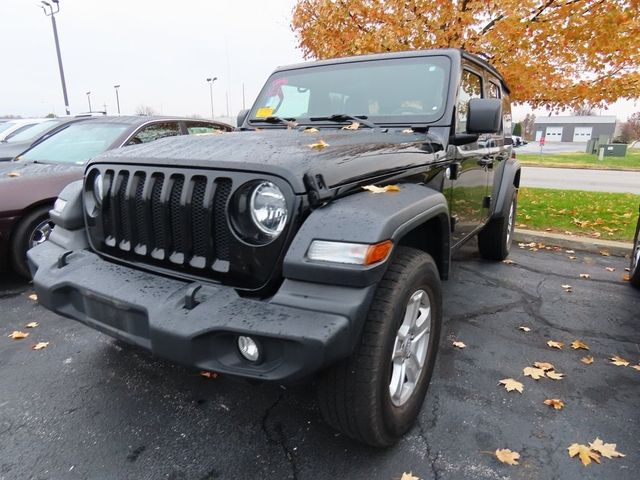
{"x": 159, "y": 51}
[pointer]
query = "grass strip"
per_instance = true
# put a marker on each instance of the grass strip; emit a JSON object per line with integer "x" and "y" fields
{"x": 610, "y": 216}
{"x": 581, "y": 160}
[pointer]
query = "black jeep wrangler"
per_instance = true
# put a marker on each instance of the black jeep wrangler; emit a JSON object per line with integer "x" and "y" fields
{"x": 260, "y": 254}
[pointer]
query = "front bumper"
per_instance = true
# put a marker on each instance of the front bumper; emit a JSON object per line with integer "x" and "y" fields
{"x": 303, "y": 328}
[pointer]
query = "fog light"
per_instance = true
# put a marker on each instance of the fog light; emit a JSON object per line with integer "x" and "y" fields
{"x": 249, "y": 348}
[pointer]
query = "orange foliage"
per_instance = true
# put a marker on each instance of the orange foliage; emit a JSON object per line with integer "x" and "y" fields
{"x": 552, "y": 53}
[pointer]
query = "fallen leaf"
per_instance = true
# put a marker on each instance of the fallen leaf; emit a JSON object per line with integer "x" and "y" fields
{"x": 508, "y": 261}
{"x": 544, "y": 366}
{"x": 555, "y": 403}
{"x": 585, "y": 275}
{"x": 572, "y": 257}
{"x": 33, "y": 297}
{"x": 616, "y": 360}
{"x": 535, "y": 373}
{"x": 459, "y": 344}
{"x": 40, "y": 345}
{"x": 510, "y": 384}
{"x": 209, "y": 374}
{"x": 554, "y": 344}
{"x": 409, "y": 476}
{"x": 13, "y": 174}
{"x": 351, "y": 126}
{"x": 584, "y": 452}
{"x": 553, "y": 375}
{"x": 570, "y": 252}
{"x": 605, "y": 449}
{"x": 576, "y": 344}
{"x": 319, "y": 145}
{"x": 605, "y": 253}
{"x": 32, "y": 325}
{"x": 310, "y": 130}
{"x": 587, "y": 360}
{"x": 18, "y": 335}
{"x": 636, "y": 367}
{"x": 610, "y": 269}
{"x": 407, "y": 130}
{"x": 524, "y": 329}
{"x": 507, "y": 456}
{"x": 386, "y": 188}
{"x": 626, "y": 277}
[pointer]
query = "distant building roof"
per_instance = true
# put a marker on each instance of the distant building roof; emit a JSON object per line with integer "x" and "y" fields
{"x": 562, "y": 119}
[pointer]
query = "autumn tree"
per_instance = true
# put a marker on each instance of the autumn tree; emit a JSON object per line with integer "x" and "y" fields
{"x": 552, "y": 53}
{"x": 630, "y": 131}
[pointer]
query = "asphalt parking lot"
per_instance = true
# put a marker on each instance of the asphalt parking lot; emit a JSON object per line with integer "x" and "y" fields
{"x": 89, "y": 407}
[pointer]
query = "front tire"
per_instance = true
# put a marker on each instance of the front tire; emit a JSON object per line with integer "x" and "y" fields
{"x": 494, "y": 240}
{"x": 375, "y": 395}
{"x": 634, "y": 275}
{"x": 33, "y": 229}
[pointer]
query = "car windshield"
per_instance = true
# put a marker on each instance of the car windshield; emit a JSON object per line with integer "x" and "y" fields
{"x": 76, "y": 144}
{"x": 391, "y": 91}
{"x": 31, "y": 132}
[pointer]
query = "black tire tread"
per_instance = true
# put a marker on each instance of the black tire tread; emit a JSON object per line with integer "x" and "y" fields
{"x": 20, "y": 237}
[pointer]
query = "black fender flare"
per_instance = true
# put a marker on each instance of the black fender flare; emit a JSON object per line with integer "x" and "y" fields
{"x": 510, "y": 179}
{"x": 368, "y": 218}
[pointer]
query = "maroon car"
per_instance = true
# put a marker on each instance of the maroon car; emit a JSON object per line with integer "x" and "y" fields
{"x": 30, "y": 185}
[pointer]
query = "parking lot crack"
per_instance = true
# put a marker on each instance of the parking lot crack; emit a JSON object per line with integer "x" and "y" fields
{"x": 278, "y": 437}
{"x": 430, "y": 456}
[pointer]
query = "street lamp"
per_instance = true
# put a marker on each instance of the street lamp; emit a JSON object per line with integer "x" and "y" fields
{"x": 50, "y": 12}
{"x": 89, "y": 100}
{"x": 210, "y": 81}
{"x": 116, "y": 87}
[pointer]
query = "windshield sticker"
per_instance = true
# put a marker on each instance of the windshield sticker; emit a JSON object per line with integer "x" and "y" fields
{"x": 264, "y": 112}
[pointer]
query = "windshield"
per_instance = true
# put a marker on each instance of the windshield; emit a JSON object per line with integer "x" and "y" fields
{"x": 76, "y": 144}
{"x": 399, "y": 90}
{"x": 31, "y": 131}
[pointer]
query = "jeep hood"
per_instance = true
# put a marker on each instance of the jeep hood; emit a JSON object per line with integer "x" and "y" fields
{"x": 348, "y": 157}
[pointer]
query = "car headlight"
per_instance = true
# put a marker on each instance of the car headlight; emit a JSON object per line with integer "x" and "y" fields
{"x": 98, "y": 188}
{"x": 268, "y": 209}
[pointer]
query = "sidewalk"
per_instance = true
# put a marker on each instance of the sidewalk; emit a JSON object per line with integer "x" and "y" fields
{"x": 574, "y": 242}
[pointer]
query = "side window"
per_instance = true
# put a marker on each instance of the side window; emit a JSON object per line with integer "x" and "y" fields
{"x": 203, "y": 128}
{"x": 154, "y": 132}
{"x": 494, "y": 90}
{"x": 506, "y": 114}
{"x": 470, "y": 87}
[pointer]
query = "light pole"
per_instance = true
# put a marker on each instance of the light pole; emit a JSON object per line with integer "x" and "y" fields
{"x": 210, "y": 81}
{"x": 89, "y": 100}
{"x": 116, "y": 87}
{"x": 50, "y": 12}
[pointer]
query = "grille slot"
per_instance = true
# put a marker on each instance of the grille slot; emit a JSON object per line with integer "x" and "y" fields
{"x": 179, "y": 219}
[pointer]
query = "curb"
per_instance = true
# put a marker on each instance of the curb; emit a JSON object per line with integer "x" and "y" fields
{"x": 574, "y": 242}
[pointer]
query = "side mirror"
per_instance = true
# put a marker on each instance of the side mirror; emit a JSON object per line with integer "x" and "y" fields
{"x": 242, "y": 116}
{"x": 484, "y": 115}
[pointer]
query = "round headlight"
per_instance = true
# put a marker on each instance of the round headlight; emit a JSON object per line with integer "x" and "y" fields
{"x": 268, "y": 209}
{"x": 98, "y": 188}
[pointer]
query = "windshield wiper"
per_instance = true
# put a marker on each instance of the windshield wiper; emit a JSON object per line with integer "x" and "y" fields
{"x": 343, "y": 117}
{"x": 289, "y": 122}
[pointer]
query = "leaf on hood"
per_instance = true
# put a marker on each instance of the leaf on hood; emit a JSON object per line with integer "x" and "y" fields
{"x": 535, "y": 373}
{"x": 39, "y": 345}
{"x": 31, "y": 325}
{"x": 585, "y": 275}
{"x": 576, "y": 344}
{"x": 351, "y": 126}
{"x": 605, "y": 449}
{"x": 619, "y": 361}
{"x": 310, "y": 130}
{"x": 510, "y": 384}
{"x": 588, "y": 360}
{"x": 210, "y": 375}
{"x": 555, "y": 403}
{"x": 585, "y": 453}
{"x": 13, "y": 174}
{"x": 409, "y": 476}
{"x": 18, "y": 335}
{"x": 458, "y": 344}
{"x": 544, "y": 366}
{"x": 553, "y": 375}
{"x": 554, "y": 344}
{"x": 33, "y": 297}
{"x": 319, "y": 145}
{"x": 507, "y": 456}
{"x": 386, "y": 188}
{"x": 524, "y": 329}
{"x": 408, "y": 130}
